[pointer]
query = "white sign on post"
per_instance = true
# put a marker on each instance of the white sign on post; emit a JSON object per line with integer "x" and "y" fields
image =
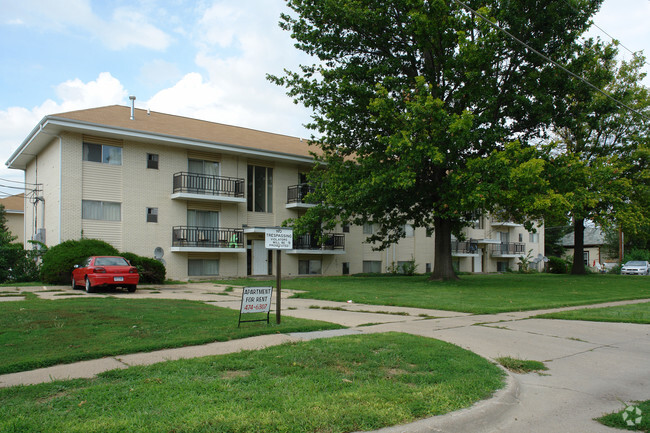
{"x": 278, "y": 238}
{"x": 256, "y": 300}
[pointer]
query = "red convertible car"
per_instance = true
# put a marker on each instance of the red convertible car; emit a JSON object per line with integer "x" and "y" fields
{"x": 105, "y": 271}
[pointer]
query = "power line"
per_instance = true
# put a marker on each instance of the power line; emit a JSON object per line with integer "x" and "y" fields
{"x": 615, "y": 40}
{"x": 17, "y": 181}
{"x": 21, "y": 188}
{"x": 548, "y": 59}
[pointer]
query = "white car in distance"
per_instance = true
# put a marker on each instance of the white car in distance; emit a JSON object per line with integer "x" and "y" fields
{"x": 635, "y": 267}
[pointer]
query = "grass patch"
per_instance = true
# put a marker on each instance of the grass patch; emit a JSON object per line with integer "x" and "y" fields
{"x": 479, "y": 294}
{"x": 521, "y": 366}
{"x": 632, "y": 313}
{"x": 340, "y": 384}
{"x": 635, "y": 417}
{"x": 38, "y": 333}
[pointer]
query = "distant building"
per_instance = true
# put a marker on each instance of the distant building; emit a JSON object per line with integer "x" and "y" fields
{"x": 200, "y": 194}
{"x": 15, "y": 214}
{"x": 595, "y": 256}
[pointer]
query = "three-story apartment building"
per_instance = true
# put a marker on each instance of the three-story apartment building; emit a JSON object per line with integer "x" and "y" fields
{"x": 199, "y": 195}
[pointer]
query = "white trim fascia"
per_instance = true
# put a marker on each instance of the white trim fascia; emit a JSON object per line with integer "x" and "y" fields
{"x": 206, "y": 250}
{"x": 32, "y": 135}
{"x": 316, "y": 252}
{"x": 207, "y": 197}
{"x": 299, "y": 205}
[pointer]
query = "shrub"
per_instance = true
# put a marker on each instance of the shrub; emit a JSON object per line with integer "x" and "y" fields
{"x": 151, "y": 270}
{"x": 409, "y": 267}
{"x": 59, "y": 260}
{"x": 636, "y": 254}
{"x": 557, "y": 265}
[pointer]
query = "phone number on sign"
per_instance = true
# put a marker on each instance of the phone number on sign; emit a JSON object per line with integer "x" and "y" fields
{"x": 255, "y": 307}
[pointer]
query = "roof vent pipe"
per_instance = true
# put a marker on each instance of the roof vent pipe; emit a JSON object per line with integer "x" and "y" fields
{"x": 132, "y": 98}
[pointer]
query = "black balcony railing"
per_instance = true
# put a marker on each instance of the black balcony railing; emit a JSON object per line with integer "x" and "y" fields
{"x": 332, "y": 241}
{"x": 207, "y": 237}
{"x": 297, "y": 193}
{"x": 509, "y": 248}
{"x": 465, "y": 247}
{"x": 207, "y": 184}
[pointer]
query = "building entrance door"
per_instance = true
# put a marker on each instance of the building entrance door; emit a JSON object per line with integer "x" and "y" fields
{"x": 478, "y": 260}
{"x": 260, "y": 258}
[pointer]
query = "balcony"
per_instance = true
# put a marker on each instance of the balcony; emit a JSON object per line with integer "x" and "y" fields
{"x": 307, "y": 244}
{"x": 296, "y": 196}
{"x": 206, "y": 187}
{"x": 509, "y": 250}
{"x": 207, "y": 239}
{"x": 464, "y": 249}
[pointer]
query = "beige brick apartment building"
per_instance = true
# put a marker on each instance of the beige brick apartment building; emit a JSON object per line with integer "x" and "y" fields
{"x": 202, "y": 193}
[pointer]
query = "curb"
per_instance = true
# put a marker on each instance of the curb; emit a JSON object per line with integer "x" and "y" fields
{"x": 482, "y": 417}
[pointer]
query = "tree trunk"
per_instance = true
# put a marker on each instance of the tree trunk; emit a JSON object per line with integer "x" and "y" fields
{"x": 443, "y": 269}
{"x": 578, "y": 247}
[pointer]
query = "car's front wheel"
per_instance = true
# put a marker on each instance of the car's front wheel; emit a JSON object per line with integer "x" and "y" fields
{"x": 89, "y": 287}
{"x": 74, "y": 286}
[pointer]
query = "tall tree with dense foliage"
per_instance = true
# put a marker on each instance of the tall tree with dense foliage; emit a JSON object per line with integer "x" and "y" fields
{"x": 410, "y": 96}
{"x": 601, "y": 153}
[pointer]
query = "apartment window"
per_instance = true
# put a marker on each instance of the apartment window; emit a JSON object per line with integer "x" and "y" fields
{"x": 346, "y": 268}
{"x": 372, "y": 266}
{"x": 409, "y": 231}
{"x": 202, "y": 267}
{"x": 102, "y": 153}
{"x": 427, "y": 267}
{"x": 101, "y": 210}
{"x": 429, "y": 232}
{"x": 521, "y": 237}
{"x": 346, "y": 228}
{"x": 152, "y": 214}
{"x": 202, "y": 218}
{"x": 309, "y": 267}
{"x": 533, "y": 238}
{"x": 369, "y": 229}
{"x": 200, "y": 166}
{"x": 260, "y": 189}
{"x": 152, "y": 160}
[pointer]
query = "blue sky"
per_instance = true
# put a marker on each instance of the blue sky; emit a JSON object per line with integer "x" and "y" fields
{"x": 206, "y": 59}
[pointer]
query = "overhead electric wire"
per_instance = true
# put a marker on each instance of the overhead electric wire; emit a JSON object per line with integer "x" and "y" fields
{"x": 548, "y": 59}
{"x": 17, "y": 181}
{"x": 615, "y": 40}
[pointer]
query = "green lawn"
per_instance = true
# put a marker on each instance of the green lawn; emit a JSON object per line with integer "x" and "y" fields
{"x": 480, "y": 294}
{"x": 635, "y": 417}
{"x": 339, "y": 384}
{"x": 37, "y": 333}
{"x": 633, "y": 313}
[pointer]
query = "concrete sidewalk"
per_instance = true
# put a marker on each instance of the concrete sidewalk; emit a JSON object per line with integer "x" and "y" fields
{"x": 594, "y": 368}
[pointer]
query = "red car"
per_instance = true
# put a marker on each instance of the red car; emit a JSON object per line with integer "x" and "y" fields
{"x": 105, "y": 271}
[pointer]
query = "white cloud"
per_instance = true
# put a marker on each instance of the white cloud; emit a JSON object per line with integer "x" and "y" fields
{"x": 129, "y": 27}
{"x": 17, "y": 122}
{"x": 237, "y": 49}
{"x": 126, "y": 27}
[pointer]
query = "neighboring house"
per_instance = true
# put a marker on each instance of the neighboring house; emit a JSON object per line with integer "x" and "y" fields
{"x": 14, "y": 212}
{"x": 202, "y": 194}
{"x": 594, "y": 242}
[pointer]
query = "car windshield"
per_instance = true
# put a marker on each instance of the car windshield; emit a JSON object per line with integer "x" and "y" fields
{"x": 635, "y": 264}
{"x": 111, "y": 261}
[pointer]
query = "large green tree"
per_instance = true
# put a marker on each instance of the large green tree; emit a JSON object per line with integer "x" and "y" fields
{"x": 410, "y": 96}
{"x": 600, "y": 156}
